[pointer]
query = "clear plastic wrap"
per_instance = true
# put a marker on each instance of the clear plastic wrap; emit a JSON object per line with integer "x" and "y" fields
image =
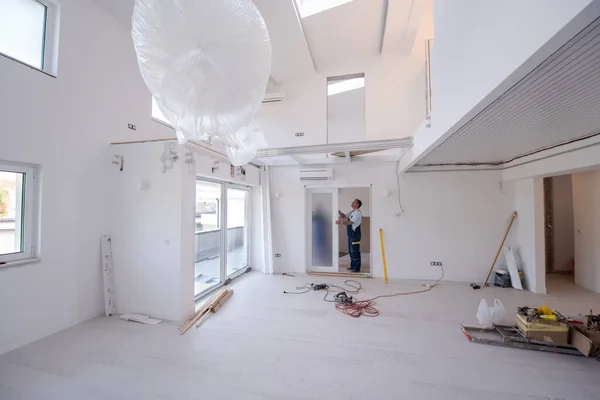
{"x": 207, "y": 63}
{"x": 243, "y": 144}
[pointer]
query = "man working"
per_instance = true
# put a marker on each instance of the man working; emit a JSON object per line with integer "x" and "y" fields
{"x": 353, "y": 228}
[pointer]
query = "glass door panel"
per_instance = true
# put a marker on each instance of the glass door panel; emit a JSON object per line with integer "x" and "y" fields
{"x": 322, "y": 244}
{"x": 209, "y": 207}
{"x": 237, "y": 229}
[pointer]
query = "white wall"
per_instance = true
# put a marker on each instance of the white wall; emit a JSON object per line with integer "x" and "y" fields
{"x": 528, "y": 232}
{"x": 65, "y": 126}
{"x": 153, "y": 229}
{"x": 495, "y": 38}
{"x": 586, "y": 200}
{"x": 394, "y": 103}
{"x": 456, "y": 218}
{"x": 564, "y": 245}
{"x": 348, "y": 194}
{"x": 347, "y": 127}
{"x": 146, "y": 229}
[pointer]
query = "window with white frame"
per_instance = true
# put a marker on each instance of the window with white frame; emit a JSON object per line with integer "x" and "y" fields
{"x": 17, "y": 213}
{"x": 28, "y": 32}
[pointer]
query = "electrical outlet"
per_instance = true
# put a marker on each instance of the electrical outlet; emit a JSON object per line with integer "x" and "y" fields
{"x": 436, "y": 263}
{"x": 277, "y": 255}
{"x": 299, "y": 134}
{"x": 132, "y": 127}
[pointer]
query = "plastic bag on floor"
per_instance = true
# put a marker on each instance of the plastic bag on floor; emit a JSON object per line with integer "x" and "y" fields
{"x": 489, "y": 316}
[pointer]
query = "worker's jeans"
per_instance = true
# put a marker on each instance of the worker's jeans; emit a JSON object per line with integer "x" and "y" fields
{"x": 354, "y": 247}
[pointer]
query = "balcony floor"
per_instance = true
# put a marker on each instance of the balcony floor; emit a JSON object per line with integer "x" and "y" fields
{"x": 207, "y": 272}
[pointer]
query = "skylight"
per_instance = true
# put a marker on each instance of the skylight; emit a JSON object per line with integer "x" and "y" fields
{"x": 345, "y": 86}
{"x": 311, "y": 7}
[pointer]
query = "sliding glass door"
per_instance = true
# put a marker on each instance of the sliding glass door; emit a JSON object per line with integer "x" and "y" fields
{"x": 237, "y": 229}
{"x": 222, "y": 216}
{"x": 209, "y": 208}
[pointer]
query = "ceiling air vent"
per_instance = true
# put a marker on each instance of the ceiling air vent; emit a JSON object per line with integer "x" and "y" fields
{"x": 316, "y": 174}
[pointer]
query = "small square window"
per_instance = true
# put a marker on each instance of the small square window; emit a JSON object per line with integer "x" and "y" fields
{"x": 28, "y": 32}
{"x": 17, "y": 196}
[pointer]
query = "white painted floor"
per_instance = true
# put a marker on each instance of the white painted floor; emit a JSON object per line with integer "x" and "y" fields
{"x": 264, "y": 344}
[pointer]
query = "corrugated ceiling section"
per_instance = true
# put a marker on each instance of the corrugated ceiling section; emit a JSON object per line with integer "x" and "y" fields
{"x": 557, "y": 102}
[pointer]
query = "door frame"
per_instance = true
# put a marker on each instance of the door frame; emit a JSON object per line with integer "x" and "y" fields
{"x": 308, "y": 227}
{"x": 247, "y": 212}
{"x": 223, "y": 277}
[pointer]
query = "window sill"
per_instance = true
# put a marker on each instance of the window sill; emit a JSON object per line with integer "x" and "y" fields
{"x": 166, "y": 124}
{"x": 29, "y": 65}
{"x": 17, "y": 263}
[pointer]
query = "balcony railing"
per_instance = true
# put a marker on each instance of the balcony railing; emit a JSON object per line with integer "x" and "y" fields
{"x": 208, "y": 242}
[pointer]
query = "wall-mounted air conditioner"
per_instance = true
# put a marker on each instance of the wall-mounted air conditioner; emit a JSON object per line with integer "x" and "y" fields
{"x": 274, "y": 97}
{"x": 316, "y": 174}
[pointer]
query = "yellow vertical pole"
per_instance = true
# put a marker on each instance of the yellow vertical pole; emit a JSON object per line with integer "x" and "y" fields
{"x": 385, "y": 275}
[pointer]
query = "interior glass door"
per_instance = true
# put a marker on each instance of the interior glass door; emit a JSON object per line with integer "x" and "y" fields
{"x": 323, "y": 240}
{"x": 209, "y": 206}
{"x": 237, "y": 229}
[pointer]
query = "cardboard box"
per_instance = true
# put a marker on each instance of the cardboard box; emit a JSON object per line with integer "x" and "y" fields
{"x": 544, "y": 330}
{"x": 587, "y": 342}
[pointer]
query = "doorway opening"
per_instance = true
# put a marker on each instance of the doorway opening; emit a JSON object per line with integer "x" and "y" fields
{"x": 559, "y": 231}
{"x": 329, "y": 247}
{"x": 346, "y": 197}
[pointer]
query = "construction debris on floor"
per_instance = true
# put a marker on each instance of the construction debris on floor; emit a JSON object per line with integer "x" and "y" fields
{"x": 543, "y": 329}
{"x": 352, "y": 306}
{"x": 140, "y": 318}
{"x": 213, "y": 305}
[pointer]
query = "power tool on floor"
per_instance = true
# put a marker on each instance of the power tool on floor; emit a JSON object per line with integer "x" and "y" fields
{"x": 343, "y": 298}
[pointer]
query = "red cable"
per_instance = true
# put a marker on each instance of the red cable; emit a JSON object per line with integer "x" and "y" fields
{"x": 358, "y": 308}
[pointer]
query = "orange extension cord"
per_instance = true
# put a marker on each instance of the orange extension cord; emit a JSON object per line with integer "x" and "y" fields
{"x": 358, "y": 308}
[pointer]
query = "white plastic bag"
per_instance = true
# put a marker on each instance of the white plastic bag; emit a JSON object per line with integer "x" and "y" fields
{"x": 489, "y": 316}
{"x": 207, "y": 63}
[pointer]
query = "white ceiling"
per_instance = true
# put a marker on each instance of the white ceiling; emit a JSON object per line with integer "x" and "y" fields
{"x": 291, "y": 57}
{"x": 558, "y": 102}
{"x": 347, "y": 34}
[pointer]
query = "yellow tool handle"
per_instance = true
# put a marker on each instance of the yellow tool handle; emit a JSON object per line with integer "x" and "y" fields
{"x": 385, "y": 274}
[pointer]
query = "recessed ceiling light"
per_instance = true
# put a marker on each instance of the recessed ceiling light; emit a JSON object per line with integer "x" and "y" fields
{"x": 311, "y": 7}
{"x": 345, "y": 86}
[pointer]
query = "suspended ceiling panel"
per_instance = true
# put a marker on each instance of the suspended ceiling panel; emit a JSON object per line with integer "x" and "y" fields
{"x": 556, "y": 103}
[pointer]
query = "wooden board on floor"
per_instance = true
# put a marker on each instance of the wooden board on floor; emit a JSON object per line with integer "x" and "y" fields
{"x": 340, "y": 274}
